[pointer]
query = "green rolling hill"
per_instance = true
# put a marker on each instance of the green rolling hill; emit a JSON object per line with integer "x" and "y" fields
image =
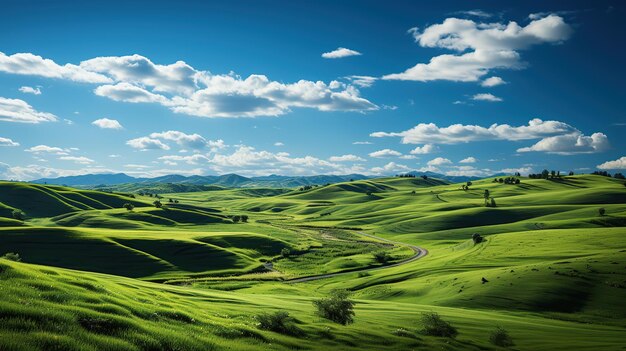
{"x": 192, "y": 275}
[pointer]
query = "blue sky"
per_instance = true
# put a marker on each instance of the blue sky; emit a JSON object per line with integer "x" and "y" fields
{"x": 262, "y": 87}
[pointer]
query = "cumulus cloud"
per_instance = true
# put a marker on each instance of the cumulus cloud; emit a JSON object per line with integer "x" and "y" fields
{"x": 346, "y": 158}
{"x": 16, "y": 110}
{"x": 106, "y": 123}
{"x": 340, "y": 53}
{"x": 178, "y": 77}
{"x": 492, "y": 82}
{"x": 130, "y": 93}
{"x": 389, "y": 168}
{"x": 40, "y": 149}
{"x": 620, "y": 163}
{"x": 422, "y": 150}
{"x": 439, "y": 161}
{"x": 186, "y": 90}
{"x": 468, "y": 160}
{"x": 145, "y": 143}
{"x": 278, "y": 143}
{"x": 77, "y": 159}
{"x": 30, "y": 90}
{"x": 425, "y": 133}
{"x": 570, "y": 144}
{"x": 8, "y": 142}
{"x": 486, "y": 97}
{"x": 29, "y": 64}
{"x": 481, "y": 47}
{"x": 192, "y": 141}
{"x": 385, "y": 153}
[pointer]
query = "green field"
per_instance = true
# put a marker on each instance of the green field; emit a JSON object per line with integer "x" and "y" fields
{"x": 189, "y": 276}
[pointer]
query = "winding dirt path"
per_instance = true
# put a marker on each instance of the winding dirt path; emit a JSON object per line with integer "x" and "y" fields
{"x": 418, "y": 253}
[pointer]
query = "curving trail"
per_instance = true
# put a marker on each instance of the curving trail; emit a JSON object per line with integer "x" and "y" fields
{"x": 418, "y": 253}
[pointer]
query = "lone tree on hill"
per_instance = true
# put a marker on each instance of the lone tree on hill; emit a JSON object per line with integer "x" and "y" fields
{"x": 477, "y": 239}
{"x": 157, "y": 204}
{"x": 486, "y": 196}
{"x": 601, "y": 211}
{"x": 128, "y": 206}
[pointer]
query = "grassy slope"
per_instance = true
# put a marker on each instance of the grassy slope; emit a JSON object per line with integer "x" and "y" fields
{"x": 55, "y": 309}
{"x": 556, "y": 270}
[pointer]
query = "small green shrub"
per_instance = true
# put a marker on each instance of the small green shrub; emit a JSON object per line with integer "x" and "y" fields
{"x": 336, "y": 307}
{"x": 128, "y": 206}
{"x": 433, "y": 325}
{"x": 285, "y": 252}
{"x": 500, "y": 337}
{"x": 12, "y": 256}
{"x": 19, "y": 215}
{"x": 601, "y": 211}
{"x": 279, "y": 322}
{"x": 363, "y": 274}
{"x": 381, "y": 257}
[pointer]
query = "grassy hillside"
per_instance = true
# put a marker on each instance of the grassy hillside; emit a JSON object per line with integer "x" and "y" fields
{"x": 550, "y": 268}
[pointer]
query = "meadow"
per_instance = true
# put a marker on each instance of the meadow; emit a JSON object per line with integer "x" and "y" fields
{"x": 193, "y": 274}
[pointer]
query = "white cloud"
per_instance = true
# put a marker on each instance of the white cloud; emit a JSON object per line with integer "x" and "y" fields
{"x": 439, "y": 161}
{"x": 30, "y": 90}
{"x": 137, "y": 70}
{"x": 490, "y": 45}
{"x": 389, "y": 107}
{"x": 145, "y": 143}
{"x": 77, "y": 159}
{"x": 278, "y": 143}
{"x": 475, "y": 13}
{"x": 130, "y": 93}
{"x": 8, "y": 142}
{"x": 16, "y": 110}
{"x": 492, "y": 82}
{"x": 115, "y": 156}
{"x": 29, "y": 64}
{"x": 385, "y": 153}
{"x": 106, "y": 123}
{"x": 620, "y": 163}
{"x": 192, "y": 141}
{"x": 486, "y": 97}
{"x": 191, "y": 159}
{"x": 362, "y": 143}
{"x": 136, "y": 166}
{"x": 185, "y": 90}
{"x": 570, "y": 144}
{"x": 425, "y": 133}
{"x": 47, "y": 149}
{"x": 422, "y": 150}
{"x": 468, "y": 160}
{"x": 389, "y": 168}
{"x": 340, "y": 53}
{"x": 362, "y": 81}
{"x": 346, "y": 158}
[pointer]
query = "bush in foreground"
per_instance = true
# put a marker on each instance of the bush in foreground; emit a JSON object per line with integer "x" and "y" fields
{"x": 336, "y": 307}
{"x": 500, "y": 337}
{"x": 433, "y": 325}
{"x": 279, "y": 322}
{"x": 381, "y": 257}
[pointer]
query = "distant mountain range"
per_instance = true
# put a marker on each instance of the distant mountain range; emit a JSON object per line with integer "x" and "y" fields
{"x": 198, "y": 183}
